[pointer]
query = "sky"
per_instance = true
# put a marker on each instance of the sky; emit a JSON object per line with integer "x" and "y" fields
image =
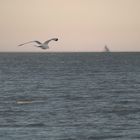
{"x": 80, "y": 25}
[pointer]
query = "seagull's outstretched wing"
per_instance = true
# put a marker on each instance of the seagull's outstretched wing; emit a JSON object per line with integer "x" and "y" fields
{"x": 46, "y": 42}
{"x": 30, "y": 42}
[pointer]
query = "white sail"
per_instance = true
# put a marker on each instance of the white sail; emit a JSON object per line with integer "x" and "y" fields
{"x": 106, "y": 49}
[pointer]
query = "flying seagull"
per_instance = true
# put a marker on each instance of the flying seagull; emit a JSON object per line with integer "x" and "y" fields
{"x": 41, "y": 45}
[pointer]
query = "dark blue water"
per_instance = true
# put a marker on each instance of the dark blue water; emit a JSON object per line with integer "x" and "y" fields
{"x": 69, "y": 96}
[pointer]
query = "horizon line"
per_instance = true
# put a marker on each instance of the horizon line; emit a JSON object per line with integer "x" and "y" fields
{"x": 69, "y": 52}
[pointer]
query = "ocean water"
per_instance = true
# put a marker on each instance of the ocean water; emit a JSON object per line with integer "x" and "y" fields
{"x": 69, "y": 96}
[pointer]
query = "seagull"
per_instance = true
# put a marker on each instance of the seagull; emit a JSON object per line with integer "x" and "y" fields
{"x": 41, "y": 45}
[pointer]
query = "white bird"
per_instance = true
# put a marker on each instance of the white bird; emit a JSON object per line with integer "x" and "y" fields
{"x": 41, "y": 45}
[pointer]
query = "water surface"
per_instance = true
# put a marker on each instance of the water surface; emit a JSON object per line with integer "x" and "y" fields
{"x": 69, "y": 96}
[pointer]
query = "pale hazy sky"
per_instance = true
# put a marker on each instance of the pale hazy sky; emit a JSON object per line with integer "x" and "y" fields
{"x": 80, "y": 25}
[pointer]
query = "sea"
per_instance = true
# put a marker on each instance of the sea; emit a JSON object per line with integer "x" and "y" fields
{"x": 70, "y": 96}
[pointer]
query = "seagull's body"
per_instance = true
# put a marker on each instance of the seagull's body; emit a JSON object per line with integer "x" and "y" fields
{"x": 41, "y": 45}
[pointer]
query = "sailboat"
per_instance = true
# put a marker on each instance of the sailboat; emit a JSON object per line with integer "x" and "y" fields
{"x": 106, "y": 49}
